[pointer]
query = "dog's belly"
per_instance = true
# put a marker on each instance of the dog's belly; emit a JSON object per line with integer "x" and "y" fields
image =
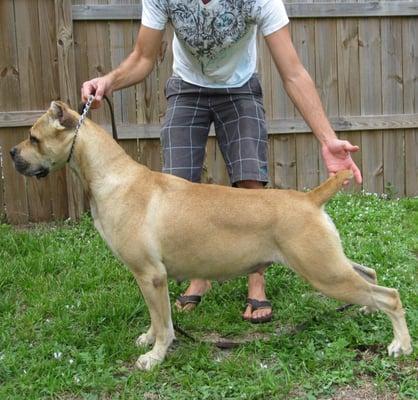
{"x": 220, "y": 264}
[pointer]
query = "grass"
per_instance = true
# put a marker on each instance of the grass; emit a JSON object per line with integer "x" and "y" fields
{"x": 70, "y": 313}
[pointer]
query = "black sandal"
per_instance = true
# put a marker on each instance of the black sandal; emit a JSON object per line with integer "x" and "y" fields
{"x": 184, "y": 300}
{"x": 259, "y": 305}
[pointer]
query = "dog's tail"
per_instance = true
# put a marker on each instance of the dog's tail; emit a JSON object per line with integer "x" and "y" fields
{"x": 332, "y": 185}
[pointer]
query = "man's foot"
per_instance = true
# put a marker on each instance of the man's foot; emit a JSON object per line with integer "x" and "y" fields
{"x": 258, "y": 308}
{"x": 258, "y": 312}
{"x": 192, "y": 296}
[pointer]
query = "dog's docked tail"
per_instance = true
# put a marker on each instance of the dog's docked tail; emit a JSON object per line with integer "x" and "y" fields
{"x": 332, "y": 185}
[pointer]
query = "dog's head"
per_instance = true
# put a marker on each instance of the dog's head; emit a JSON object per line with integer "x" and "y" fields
{"x": 49, "y": 143}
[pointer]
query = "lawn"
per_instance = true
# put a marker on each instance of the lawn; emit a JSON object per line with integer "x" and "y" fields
{"x": 70, "y": 314}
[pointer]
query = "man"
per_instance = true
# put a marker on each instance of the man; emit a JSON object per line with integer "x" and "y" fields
{"x": 214, "y": 81}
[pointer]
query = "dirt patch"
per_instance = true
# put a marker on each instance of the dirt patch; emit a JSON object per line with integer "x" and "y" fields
{"x": 364, "y": 390}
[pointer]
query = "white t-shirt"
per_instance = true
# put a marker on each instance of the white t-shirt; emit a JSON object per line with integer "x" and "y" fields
{"x": 215, "y": 43}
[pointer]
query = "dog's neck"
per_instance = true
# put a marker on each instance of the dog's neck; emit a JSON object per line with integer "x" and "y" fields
{"x": 98, "y": 160}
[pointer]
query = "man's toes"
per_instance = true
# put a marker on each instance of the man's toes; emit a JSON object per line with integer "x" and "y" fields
{"x": 261, "y": 313}
{"x": 247, "y": 313}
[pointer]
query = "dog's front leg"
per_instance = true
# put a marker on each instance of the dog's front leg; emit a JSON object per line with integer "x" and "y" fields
{"x": 153, "y": 285}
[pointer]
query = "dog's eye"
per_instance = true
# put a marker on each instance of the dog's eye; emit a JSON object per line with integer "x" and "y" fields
{"x": 33, "y": 139}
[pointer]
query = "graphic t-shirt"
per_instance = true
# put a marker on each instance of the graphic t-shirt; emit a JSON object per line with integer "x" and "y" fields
{"x": 215, "y": 43}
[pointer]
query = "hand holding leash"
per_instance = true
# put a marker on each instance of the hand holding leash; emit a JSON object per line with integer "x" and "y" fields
{"x": 99, "y": 87}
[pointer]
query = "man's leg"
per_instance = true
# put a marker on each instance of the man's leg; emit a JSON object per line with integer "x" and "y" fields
{"x": 183, "y": 139}
{"x": 242, "y": 136}
{"x": 256, "y": 281}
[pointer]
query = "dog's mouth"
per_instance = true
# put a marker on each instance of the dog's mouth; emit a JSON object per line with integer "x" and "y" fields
{"x": 41, "y": 173}
{"x": 24, "y": 168}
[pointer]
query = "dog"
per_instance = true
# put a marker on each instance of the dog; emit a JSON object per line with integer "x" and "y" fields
{"x": 163, "y": 226}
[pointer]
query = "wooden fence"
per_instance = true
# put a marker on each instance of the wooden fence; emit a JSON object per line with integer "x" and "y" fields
{"x": 362, "y": 55}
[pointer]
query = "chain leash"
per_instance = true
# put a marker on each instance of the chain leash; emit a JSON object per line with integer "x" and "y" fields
{"x": 79, "y": 123}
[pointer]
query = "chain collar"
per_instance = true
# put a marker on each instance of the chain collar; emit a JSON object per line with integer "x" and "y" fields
{"x": 80, "y": 122}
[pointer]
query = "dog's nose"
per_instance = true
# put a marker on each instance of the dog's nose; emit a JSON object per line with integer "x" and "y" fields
{"x": 13, "y": 152}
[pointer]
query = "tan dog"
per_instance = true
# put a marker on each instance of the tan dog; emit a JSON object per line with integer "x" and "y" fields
{"x": 163, "y": 226}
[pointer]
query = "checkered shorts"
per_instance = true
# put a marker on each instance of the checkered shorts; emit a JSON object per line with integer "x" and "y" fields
{"x": 238, "y": 118}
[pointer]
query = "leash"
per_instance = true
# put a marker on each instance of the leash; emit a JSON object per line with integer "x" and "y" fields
{"x": 86, "y": 109}
{"x": 83, "y": 110}
{"x": 112, "y": 118}
{"x": 230, "y": 344}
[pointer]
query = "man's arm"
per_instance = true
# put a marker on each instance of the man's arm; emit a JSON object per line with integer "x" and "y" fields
{"x": 134, "y": 69}
{"x": 301, "y": 89}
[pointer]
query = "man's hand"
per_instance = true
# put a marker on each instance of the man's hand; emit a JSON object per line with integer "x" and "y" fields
{"x": 337, "y": 157}
{"x": 97, "y": 87}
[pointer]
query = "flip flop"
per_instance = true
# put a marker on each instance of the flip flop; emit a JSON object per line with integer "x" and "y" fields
{"x": 184, "y": 300}
{"x": 259, "y": 305}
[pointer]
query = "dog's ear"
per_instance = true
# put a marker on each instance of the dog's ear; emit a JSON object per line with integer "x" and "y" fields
{"x": 61, "y": 116}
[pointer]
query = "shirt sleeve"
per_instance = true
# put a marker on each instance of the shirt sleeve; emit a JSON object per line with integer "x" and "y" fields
{"x": 154, "y": 14}
{"x": 273, "y": 16}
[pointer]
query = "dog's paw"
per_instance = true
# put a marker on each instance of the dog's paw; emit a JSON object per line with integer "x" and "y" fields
{"x": 367, "y": 310}
{"x": 396, "y": 348}
{"x": 146, "y": 339}
{"x": 147, "y": 361}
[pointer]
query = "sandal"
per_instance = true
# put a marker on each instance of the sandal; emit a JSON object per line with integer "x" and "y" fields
{"x": 185, "y": 300}
{"x": 259, "y": 305}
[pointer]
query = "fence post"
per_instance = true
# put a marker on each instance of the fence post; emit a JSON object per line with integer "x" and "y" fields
{"x": 68, "y": 91}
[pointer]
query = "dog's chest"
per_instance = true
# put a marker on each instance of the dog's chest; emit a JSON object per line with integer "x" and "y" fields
{"x": 101, "y": 228}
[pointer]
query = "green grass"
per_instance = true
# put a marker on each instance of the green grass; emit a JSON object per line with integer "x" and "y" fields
{"x": 70, "y": 313}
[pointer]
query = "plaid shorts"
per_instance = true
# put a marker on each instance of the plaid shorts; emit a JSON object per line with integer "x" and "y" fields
{"x": 239, "y": 121}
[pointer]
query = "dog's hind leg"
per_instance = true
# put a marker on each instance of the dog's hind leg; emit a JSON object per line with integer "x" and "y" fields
{"x": 370, "y": 276}
{"x": 329, "y": 271}
{"x": 352, "y": 288}
{"x": 154, "y": 288}
{"x": 367, "y": 273}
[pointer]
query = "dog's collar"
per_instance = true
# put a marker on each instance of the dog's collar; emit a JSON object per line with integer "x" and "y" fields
{"x": 80, "y": 122}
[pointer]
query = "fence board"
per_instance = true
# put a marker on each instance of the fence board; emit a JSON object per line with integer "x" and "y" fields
{"x": 15, "y": 194}
{"x": 122, "y": 37}
{"x": 14, "y": 187}
{"x": 214, "y": 169}
{"x": 50, "y": 77}
{"x": 307, "y": 149}
{"x": 98, "y": 56}
{"x": 295, "y": 10}
{"x": 326, "y": 72}
{"x": 150, "y": 154}
{"x": 68, "y": 92}
{"x": 410, "y": 85}
{"x": 31, "y": 92}
{"x": 392, "y": 102}
{"x": 275, "y": 126}
{"x": 371, "y": 102}
{"x": 285, "y": 161}
{"x": 278, "y": 106}
{"x": 349, "y": 83}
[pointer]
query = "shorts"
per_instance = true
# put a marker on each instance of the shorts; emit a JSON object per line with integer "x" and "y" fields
{"x": 239, "y": 121}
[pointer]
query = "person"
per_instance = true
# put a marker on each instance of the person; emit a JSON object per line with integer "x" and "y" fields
{"x": 214, "y": 81}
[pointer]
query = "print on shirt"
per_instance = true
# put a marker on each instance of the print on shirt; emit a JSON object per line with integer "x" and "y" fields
{"x": 208, "y": 32}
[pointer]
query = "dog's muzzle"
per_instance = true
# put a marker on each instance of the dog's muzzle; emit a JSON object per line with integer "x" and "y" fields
{"x": 24, "y": 168}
